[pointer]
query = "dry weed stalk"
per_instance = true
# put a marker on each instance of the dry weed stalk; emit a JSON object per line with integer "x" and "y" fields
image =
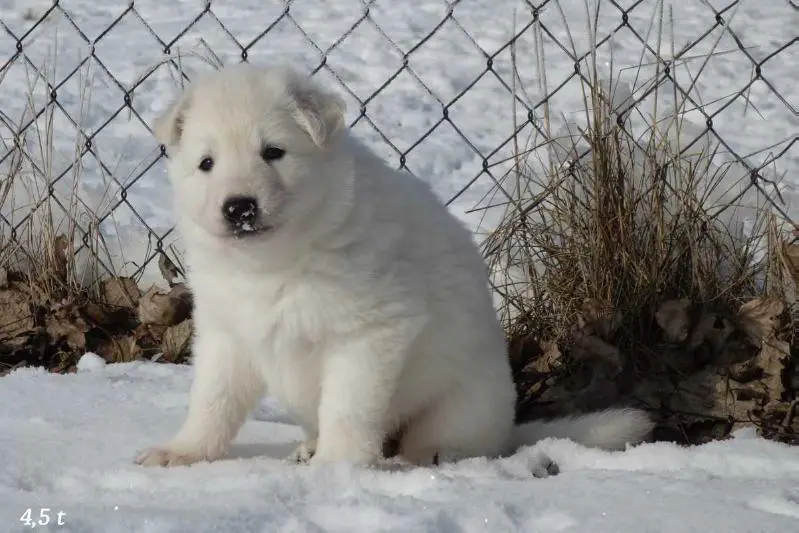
{"x": 55, "y": 263}
{"x": 45, "y": 219}
{"x": 624, "y": 213}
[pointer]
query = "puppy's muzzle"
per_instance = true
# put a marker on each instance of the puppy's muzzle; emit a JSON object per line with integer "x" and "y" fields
{"x": 241, "y": 214}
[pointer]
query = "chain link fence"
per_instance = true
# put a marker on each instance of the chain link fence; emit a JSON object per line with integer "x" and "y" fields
{"x": 444, "y": 89}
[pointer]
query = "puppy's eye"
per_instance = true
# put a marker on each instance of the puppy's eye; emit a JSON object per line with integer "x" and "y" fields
{"x": 272, "y": 153}
{"x": 206, "y": 164}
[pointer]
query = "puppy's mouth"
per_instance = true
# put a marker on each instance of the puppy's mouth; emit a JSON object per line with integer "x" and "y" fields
{"x": 249, "y": 229}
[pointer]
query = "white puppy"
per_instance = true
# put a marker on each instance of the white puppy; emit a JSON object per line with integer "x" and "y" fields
{"x": 342, "y": 287}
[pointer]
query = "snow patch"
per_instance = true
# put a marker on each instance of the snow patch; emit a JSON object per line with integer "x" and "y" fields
{"x": 90, "y": 362}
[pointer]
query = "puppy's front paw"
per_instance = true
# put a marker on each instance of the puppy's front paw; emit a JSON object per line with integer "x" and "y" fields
{"x": 171, "y": 456}
{"x": 304, "y": 452}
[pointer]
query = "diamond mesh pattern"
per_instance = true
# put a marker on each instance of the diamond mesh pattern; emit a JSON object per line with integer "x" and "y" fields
{"x": 403, "y": 63}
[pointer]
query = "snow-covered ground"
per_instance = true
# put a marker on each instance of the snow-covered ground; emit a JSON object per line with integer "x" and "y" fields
{"x": 68, "y": 441}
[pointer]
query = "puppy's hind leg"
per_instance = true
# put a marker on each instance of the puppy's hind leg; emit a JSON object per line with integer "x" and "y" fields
{"x": 359, "y": 379}
{"x": 461, "y": 424}
{"x": 225, "y": 389}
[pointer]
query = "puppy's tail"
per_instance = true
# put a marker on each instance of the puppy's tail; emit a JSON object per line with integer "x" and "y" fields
{"x": 610, "y": 429}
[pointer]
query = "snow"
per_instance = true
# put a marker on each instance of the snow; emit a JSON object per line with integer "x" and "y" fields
{"x": 90, "y": 362}
{"x": 68, "y": 441}
{"x": 68, "y": 444}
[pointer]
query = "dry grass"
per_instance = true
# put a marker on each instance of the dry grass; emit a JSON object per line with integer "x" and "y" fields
{"x": 625, "y": 225}
{"x": 612, "y": 221}
{"x": 46, "y": 221}
{"x": 60, "y": 290}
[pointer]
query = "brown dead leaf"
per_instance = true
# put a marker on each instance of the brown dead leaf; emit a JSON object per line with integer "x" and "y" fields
{"x": 779, "y": 421}
{"x": 119, "y": 349}
{"x": 96, "y": 313}
{"x": 16, "y": 316}
{"x": 708, "y": 393}
{"x": 791, "y": 254}
{"x": 533, "y": 365}
{"x": 598, "y": 318}
{"x": 61, "y": 256}
{"x": 674, "y": 319}
{"x": 149, "y": 336}
{"x": 120, "y": 292}
{"x": 105, "y": 316}
{"x": 176, "y": 342}
{"x": 127, "y": 349}
{"x": 757, "y": 318}
{"x": 168, "y": 269}
{"x": 773, "y": 361}
{"x": 546, "y": 361}
{"x": 66, "y": 324}
{"x": 157, "y": 306}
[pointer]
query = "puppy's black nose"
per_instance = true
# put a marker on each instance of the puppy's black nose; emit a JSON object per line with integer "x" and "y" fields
{"x": 240, "y": 210}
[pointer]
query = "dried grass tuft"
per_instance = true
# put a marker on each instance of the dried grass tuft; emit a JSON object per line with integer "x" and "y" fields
{"x": 629, "y": 261}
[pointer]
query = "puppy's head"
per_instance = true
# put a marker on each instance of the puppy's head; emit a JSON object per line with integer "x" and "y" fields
{"x": 251, "y": 150}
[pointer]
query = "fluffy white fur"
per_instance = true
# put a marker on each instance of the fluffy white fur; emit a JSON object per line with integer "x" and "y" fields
{"x": 354, "y": 297}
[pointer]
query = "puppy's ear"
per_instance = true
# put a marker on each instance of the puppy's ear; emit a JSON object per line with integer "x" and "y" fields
{"x": 320, "y": 113}
{"x": 168, "y": 128}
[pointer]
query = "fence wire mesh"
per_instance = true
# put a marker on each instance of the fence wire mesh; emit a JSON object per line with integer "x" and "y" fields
{"x": 443, "y": 89}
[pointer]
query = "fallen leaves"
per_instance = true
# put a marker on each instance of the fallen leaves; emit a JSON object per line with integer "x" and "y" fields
{"x": 757, "y": 318}
{"x": 66, "y": 324}
{"x": 120, "y": 293}
{"x": 117, "y": 321}
{"x": 177, "y": 341}
{"x": 169, "y": 271}
{"x": 118, "y": 348}
{"x": 710, "y": 371}
{"x": 790, "y": 252}
{"x": 16, "y": 310}
{"x": 165, "y": 308}
{"x": 772, "y": 360}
